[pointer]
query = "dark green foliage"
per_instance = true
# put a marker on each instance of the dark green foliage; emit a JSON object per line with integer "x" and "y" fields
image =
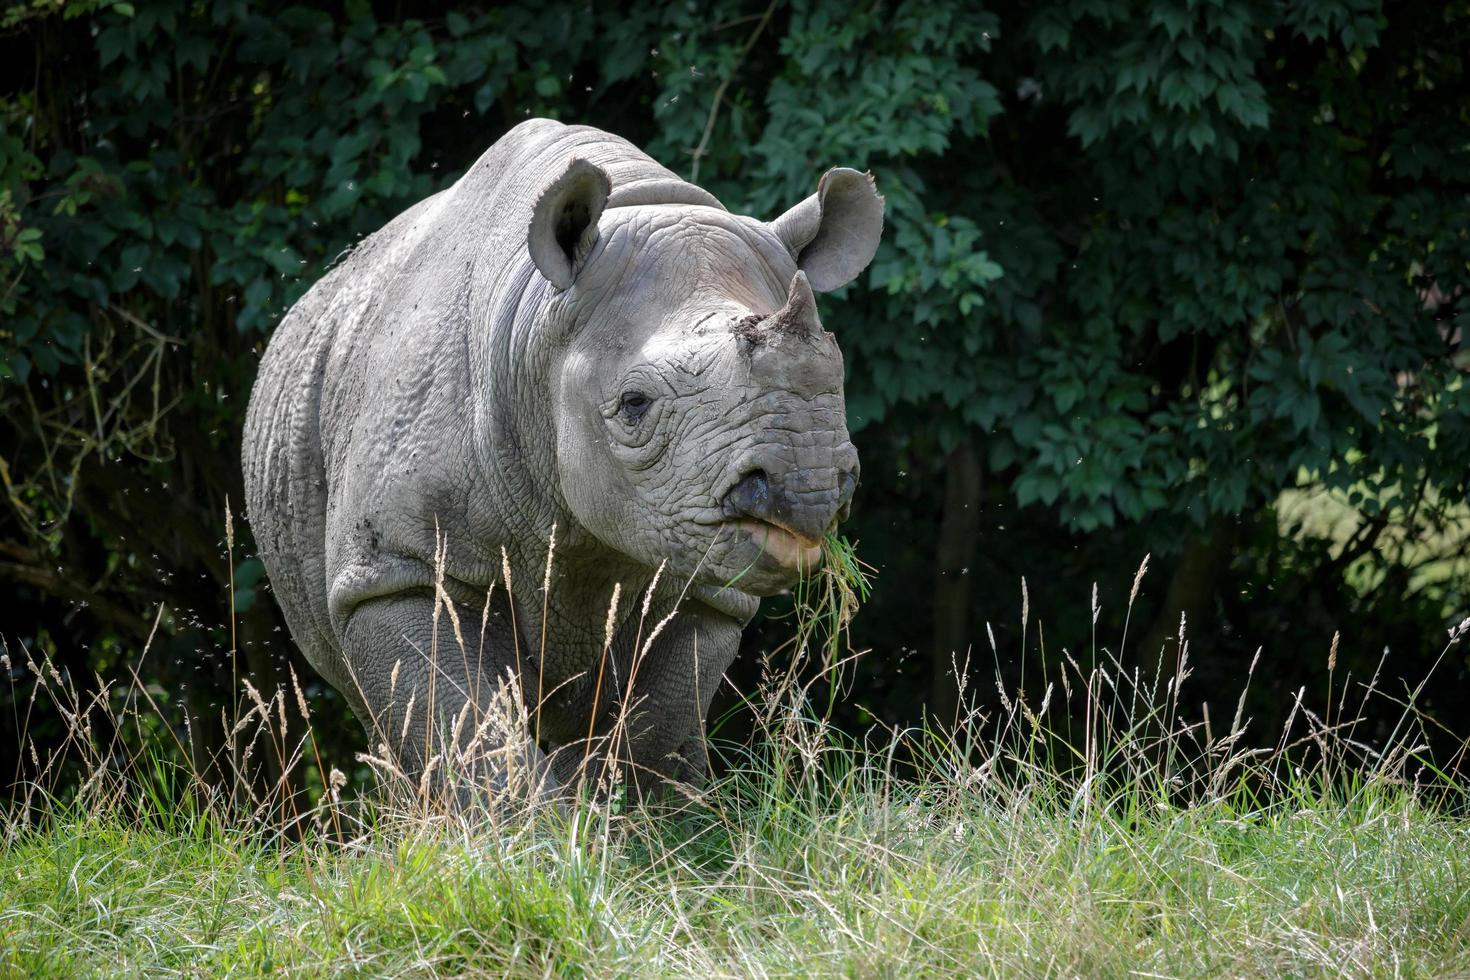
{"x": 1154, "y": 265}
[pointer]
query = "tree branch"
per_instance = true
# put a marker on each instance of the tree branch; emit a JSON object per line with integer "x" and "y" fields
{"x": 64, "y": 588}
{"x": 714, "y": 110}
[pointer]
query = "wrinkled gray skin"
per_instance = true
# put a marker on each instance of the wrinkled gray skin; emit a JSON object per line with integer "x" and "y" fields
{"x": 572, "y": 336}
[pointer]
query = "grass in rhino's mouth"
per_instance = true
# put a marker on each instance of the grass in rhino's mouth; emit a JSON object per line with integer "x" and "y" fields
{"x": 825, "y": 600}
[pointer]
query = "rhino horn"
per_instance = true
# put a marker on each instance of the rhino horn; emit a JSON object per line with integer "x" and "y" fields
{"x": 799, "y": 315}
{"x": 797, "y": 318}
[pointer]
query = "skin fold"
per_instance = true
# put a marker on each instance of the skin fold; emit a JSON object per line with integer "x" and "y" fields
{"x": 570, "y": 340}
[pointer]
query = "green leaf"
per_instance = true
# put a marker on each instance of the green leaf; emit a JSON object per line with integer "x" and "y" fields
{"x": 258, "y": 292}
{"x": 1066, "y": 393}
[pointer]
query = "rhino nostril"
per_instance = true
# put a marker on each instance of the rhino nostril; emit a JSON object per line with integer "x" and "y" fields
{"x": 752, "y": 495}
{"x": 846, "y": 487}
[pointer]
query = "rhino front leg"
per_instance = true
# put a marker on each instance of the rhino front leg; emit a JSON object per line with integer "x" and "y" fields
{"x": 654, "y": 714}
{"x": 436, "y": 706}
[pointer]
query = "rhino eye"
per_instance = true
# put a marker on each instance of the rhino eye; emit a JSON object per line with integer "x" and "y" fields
{"x": 634, "y": 405}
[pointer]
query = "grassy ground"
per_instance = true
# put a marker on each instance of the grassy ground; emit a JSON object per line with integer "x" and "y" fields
{"x": 1099, "y": 831}
{"x": 872, "y": 878}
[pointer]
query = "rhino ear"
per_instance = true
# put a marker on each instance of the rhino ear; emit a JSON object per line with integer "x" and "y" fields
{"x": 834, "y": 233}
{"x": 564, "y": 222}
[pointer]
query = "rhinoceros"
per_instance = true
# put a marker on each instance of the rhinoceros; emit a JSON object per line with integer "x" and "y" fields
{"x": 569, "y": 342}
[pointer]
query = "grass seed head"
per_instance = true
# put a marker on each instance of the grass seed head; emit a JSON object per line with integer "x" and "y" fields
{"x": 1138, "y": 579}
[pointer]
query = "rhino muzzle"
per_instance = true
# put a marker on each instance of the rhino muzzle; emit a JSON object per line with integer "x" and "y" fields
{"x": 788, "y": 497}
{"x": 807, "y": 509}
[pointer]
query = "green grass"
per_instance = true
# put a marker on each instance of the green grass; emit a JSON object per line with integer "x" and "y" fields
{"x": 1102, "y": 830}
{"x": 865, "y": 876}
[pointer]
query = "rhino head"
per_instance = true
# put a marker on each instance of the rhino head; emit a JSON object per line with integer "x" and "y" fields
{"x": 696, "y": 399}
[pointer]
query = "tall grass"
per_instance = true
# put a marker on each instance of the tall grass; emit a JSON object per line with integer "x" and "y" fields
{"x": 1102, "y": 829}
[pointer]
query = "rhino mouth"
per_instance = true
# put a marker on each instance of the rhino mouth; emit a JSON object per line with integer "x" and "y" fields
{"x": 779, "y": 545}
